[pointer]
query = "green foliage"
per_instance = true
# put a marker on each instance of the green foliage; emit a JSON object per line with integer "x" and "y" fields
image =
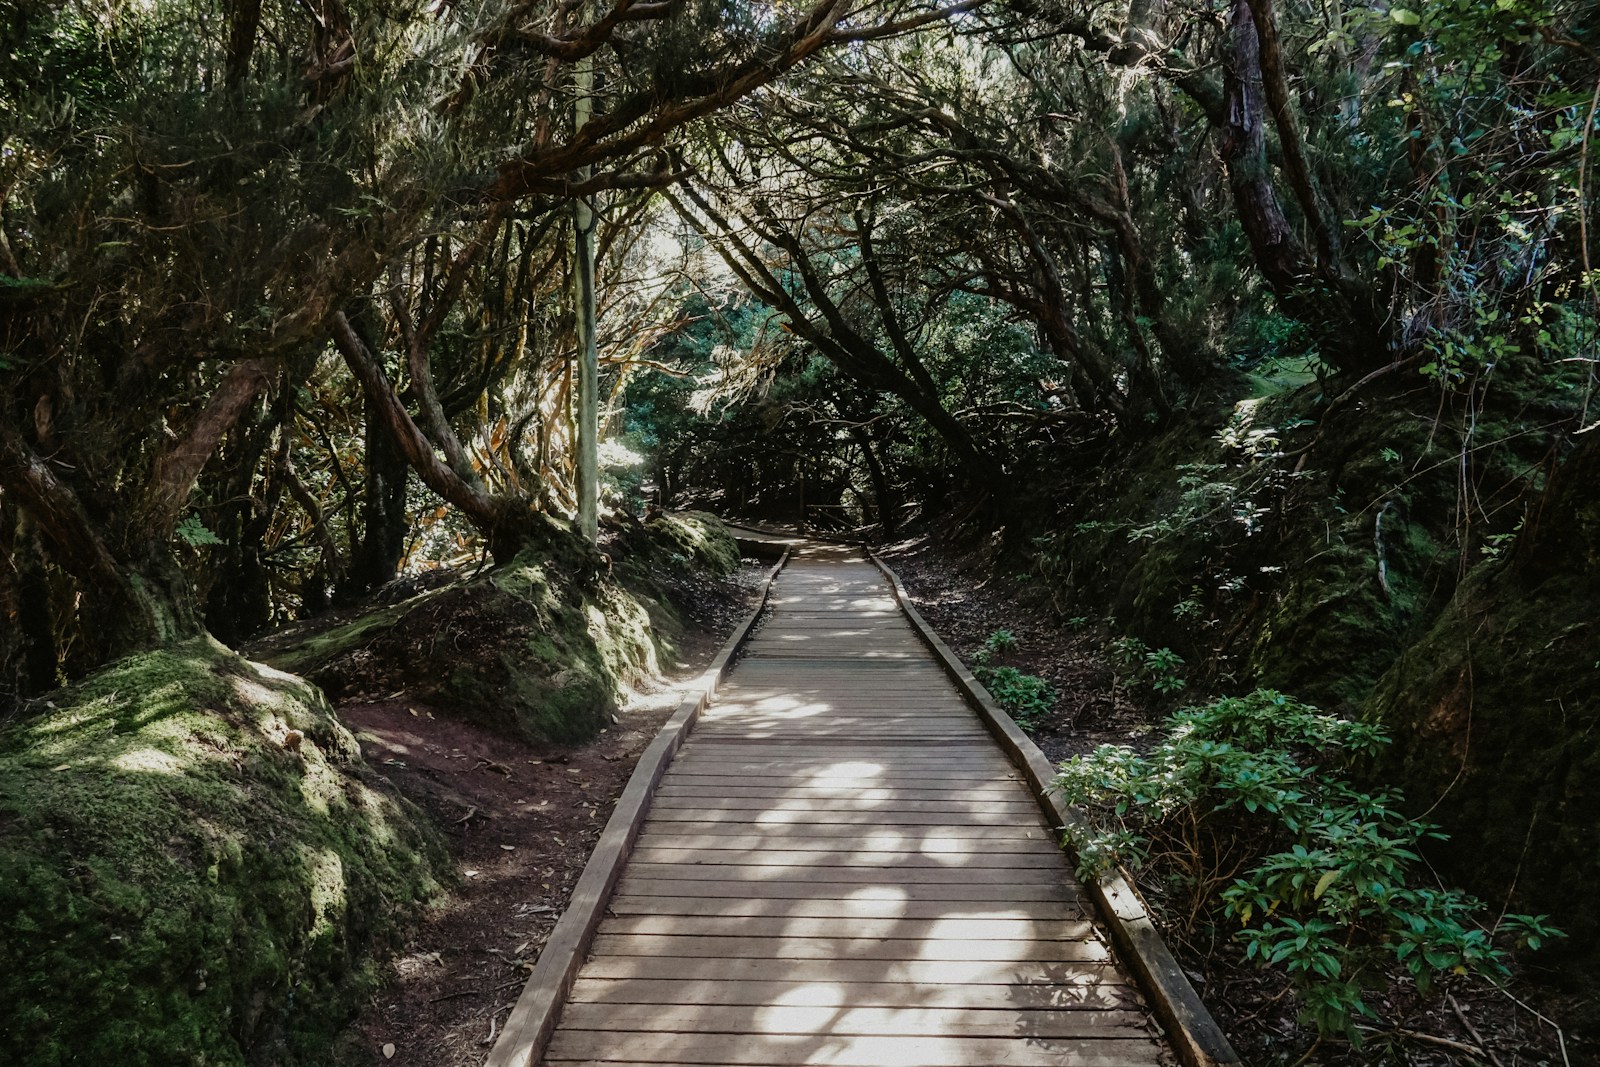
{"x": 1159, "y": 668}
{"x": 1330, "y": 887}
{"x": 1025, "y": 697}
{"x": 996, "y": 646}
{"x": 192, "y": 531}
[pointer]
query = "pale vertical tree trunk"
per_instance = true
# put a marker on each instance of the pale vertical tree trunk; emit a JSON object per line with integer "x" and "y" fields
{"x": 588, "y": 399}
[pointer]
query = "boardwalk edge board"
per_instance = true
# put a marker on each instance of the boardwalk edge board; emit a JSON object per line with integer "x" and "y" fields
{"x": 533, "y": 1019}
{"x": 1195, "y": 1035}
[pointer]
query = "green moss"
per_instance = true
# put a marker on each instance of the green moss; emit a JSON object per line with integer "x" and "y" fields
{"x": 179, "y": 882}
{"x": 542, "y": 647}
{"x": 1497, "y": 726}
{"x": 1247, "y": 537}
{"x": 701, "y": 537}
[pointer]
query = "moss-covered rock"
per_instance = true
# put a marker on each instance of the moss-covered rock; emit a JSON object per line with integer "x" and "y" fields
{"x": 194, "y": 868}
{"x": 700, "y": 537}
{"x": 540, "y": 648}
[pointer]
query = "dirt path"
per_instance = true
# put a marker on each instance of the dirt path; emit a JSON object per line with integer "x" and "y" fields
{"x": 521, "y": 822}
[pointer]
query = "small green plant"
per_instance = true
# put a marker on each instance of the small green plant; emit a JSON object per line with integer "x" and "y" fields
{"x": 997, "y": 645}
{"x": 1495, "y": 545}
{"x": 1240, "y": 817}
{"x": 192, "y": 531}
{"x": 1159, "y": 668}
{"x": 1026, "y": 698}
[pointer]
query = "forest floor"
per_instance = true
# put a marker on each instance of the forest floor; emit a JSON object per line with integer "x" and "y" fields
{"x": 521, "y": 821}
{"x": 966, "y": 599}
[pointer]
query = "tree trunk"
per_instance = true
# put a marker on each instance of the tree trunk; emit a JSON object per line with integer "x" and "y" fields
{"x": 383, "y": 511}
{"x": 1278, "y": 252}
{"x": 1343, "y": 315}
{"x": 882, "y": 494}
{"x": 506, "y": 522}
{"x": 27, "y": 642}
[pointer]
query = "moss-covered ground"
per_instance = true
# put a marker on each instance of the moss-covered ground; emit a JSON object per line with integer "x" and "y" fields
{"x": 195, "y": 868}
{"x": 541, "y": 648}
{"x": 1497, "y": 725}
{"x": 1286, "y": 542}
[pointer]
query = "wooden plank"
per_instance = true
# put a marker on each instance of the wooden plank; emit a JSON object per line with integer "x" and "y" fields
{"x": 968, "y": 751}
{"x": 917, "y": 972}
{"x": 1055, "y": 909}
{"x": 679, "y": 777}
{"x": 867, "y": 773}
{"x": 932, "y": 768}
{"x": 841, "y": 717}
{"x": 643, "y": 886}
{"x": 923, "y": 731}
{"x": 824, "y": 803}
{"x": 963, "y": 927}
{"x": 752, "y": 728}
{"x": 917, "y": 757}
{"x": 780, "y": 775}
{"x": 651, "y": 852}
{"x": 881, "y": 831}
{"x": 905, "y": 876}
{"x": 1086, "y": 996}
{"x": 913, "y": 949}
{"x": 670, "y": 788}
{"x": 837, "y": 818}
{"x": 847, "y": 1019}
{"x": 935, "y": 848}
{"x": 533, "y": 1017}
{"x": 589, "y": 1046}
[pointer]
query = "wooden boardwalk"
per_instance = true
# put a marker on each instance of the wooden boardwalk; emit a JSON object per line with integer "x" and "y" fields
{"x": 840, "y": 867}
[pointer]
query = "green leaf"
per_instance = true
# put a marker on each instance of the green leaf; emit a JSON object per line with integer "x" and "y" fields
{"x": 193, "y": 532}
{"x": 1324, "y": 882}
{"x": 1405, "y": 16}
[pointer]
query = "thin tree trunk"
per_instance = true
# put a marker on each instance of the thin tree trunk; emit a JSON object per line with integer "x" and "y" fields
{"x": 503, "y": 521}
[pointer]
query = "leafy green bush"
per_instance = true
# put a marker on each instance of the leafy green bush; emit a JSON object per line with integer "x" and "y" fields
{"x": 1025, "y": 697}
{"x": 1237, "y": 816}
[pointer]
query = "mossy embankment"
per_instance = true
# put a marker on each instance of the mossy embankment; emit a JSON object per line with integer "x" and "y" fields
{"x": 1496, "y": 721}
{"x": 195, "y": 868}
{"x": 1400, "y": 553}
{"x": 540, "y": 648}
{"x": 1288, "y": 541}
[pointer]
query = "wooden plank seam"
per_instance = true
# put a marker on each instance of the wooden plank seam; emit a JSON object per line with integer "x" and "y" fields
{"x": 1195, "y": 1035}
{"x": 533, "y": 1019}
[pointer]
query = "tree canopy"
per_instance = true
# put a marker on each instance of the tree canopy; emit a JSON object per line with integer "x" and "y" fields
{"x": 263, "y": 264}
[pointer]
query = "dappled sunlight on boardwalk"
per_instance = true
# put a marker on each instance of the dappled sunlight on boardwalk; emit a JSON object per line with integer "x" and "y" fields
{"x": 841, "y": 868}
